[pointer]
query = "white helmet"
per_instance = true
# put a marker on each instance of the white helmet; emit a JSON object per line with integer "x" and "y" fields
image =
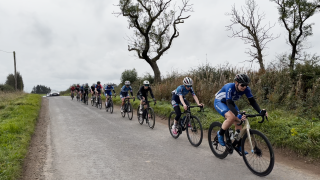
{"x": 127, "y": 83}
{"x": 187, "y": 81}
{"x": 146, "y": 82}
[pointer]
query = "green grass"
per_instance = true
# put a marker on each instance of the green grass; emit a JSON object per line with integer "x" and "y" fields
{"x": 18, "y": 116}
{"x": 283, "y": 128}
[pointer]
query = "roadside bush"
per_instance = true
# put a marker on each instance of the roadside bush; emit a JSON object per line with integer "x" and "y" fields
{"x": 6, "y": 88}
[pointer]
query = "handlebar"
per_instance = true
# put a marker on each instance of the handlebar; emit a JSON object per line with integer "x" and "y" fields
{"x": 201, "y": 108}
{"x": 262, "y": 114}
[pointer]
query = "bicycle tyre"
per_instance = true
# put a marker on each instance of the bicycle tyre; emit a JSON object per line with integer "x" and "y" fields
{"x": 219, "y": 151}
{"x": 140, "y": 119}
{"x": 111, "y": 107}
{"x": 195, "y": 128}
{"x": 151, "y": 120}
{"x": 257, "y": 152}
{"x": 170, "y": 123}
{"x": 123, "y": 114}
{"x": 130, "y": 111}
{"x": 92, "y": 102}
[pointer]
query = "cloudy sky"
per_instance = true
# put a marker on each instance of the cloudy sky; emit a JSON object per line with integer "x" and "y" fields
{"x": 60, "y": 42}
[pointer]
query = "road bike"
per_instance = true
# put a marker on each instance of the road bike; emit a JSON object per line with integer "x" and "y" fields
{"x": 72, "y": 95}
{"x": 93, "y": 100}
{"x": 259, "y": 156}
{"x": 98, "y": 102}
{"x": 86, "y": 99}
{"x": 109, "y": 105}
{"x": 149, "y": 115}
{"x": 127, "y": 108}
{"x": 78, "y": 96}
{"x": 190, "y": 123}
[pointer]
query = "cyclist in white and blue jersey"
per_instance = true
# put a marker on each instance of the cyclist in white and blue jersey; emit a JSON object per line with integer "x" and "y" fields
{"x": 178, "y": 97}
{"x": 124, "y": 93}
{"x": 108, "y": 93}
{"x": 224, "y": 104}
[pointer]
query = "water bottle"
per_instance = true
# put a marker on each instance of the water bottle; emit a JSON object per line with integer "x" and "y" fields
{"x": 231, "y": 134}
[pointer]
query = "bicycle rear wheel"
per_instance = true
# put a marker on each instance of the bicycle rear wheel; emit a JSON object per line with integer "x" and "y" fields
{"x": 216, "y": 148}
{"x": 140, "y": 119}
{"x": 170, "y": 123}
{"x": 261, "y": 160}
{"x": 130, "y": 111}
{"x": 194, "y": 131}
{"x": 111, "y": 107}
{"x": 150, "y": 118}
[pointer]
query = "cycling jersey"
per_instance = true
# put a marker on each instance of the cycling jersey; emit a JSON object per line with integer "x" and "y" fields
{"x": 72, "y": 88}
{"x": 124, "y": 91}
{"x": 99, "y": 87}
{"x": 81, "y": 88}
{"x": 144, "y": 92}
{"x": 229, "y": 91}
{"x": 92, "y": 88}
{"x": 86, "y": 88}
{"x": 108, "y": 89}
{"x": 180, "y": 91}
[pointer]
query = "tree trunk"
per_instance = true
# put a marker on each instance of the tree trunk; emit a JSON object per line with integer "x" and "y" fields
{"x": 260, "y": 59}
{"x": 156, "y": 71}
{"x": 292, "y": 58}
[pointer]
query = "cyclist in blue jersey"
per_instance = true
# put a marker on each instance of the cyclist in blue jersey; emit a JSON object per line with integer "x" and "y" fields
{"x": 224, "y": 104}
{"x": 124, "y": 93}
{"x": 108, "y": 93}
{"x": 178, "y": 97}
{"x": 81, "y": 91}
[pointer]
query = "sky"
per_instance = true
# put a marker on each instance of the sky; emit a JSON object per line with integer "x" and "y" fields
{"x": 59, "y": 42}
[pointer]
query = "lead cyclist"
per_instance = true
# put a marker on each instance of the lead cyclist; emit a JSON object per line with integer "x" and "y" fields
{"x": 224, "y": 104}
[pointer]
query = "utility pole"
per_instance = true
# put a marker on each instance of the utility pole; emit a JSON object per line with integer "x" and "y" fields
{"x": 15, "y": 70}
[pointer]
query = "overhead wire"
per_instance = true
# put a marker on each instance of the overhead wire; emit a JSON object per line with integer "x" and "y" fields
{"x": 5, "y": 51}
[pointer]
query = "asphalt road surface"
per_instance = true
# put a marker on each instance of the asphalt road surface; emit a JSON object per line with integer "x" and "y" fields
{"x": 88, "y": 143}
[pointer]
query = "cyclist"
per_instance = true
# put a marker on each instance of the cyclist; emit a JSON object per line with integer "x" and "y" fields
{"x": 108, "y": 93}
{"x": 72, "y": 88}
{"x": 124, "y": 93}
{"x": 93, "y": 87}
{"x": 77, "y": 88}
{"x": 224, "y": 104}
{"x": 178, "y": 97}
{"x": 85, "y": 90}
{"x": 98, "y": 89}
{"x": 81, "y": 92}
{"x": 143, "y": 95}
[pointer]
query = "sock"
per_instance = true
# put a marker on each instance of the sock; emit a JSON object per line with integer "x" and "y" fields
{"x": 222, "y": 132}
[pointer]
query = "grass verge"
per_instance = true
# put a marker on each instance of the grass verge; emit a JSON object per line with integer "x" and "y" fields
{"x": 18, "y": 116}
{"x": 283, "y": 129}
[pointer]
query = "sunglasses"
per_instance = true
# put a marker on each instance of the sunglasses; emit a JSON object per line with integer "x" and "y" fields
{"x": 243, "y": 85}
{"x": 188, "y": 86}
{"x": 146, "y": 85}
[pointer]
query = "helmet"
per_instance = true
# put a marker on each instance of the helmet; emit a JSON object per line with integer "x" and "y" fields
{"x": 187, "y": 81}
{"x": 98, "y": 82}
{"x": 86, "y": 84}
{"x": 242, "y": 78}
{"x": 127, "y": 82}
{"x": 78, "y": 84}
{"x": 146, "y": 82}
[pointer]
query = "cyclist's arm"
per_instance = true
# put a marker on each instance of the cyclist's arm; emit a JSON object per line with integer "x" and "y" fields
{"x": 182, "y": 101}
{"x": 196, "y": 99}
{"x": 232, "y": 107}
{"x": 254, "y": 104}
{"x": 151, "y": 92}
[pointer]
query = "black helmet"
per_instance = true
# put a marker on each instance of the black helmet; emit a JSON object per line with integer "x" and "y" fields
{"x": 242, "y": 78}
{"x": 98, "y": 82}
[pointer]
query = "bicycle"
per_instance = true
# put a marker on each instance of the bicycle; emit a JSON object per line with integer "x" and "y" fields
{"x": 86, "y": 99}
{"x": 98, "y": 102}
{"x": 93, "y": 100}
{"x": 109, "y": 105}
{"x": 190, "y": 123}
{"x": 78, "y": 96}
{"x": 148, "y": 111}
{"x": 72, "y": 95}
{"x": 127, "y": 108}
{"x": 254, "y": 142}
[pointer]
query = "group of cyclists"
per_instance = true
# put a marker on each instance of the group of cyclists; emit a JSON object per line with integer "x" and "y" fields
{"x": 224, "y": 102}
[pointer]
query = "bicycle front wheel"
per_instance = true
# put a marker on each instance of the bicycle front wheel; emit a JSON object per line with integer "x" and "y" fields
{"x": 170, "y": 123}
{"x": 151, "y": 118}
{"x": 194, "y": 131}
{"x": 130, "y": 111}
{"x": 216, "y": 148}
{"x": 111, "y": 107}
{"x": 92, "y": 102}
{"x": 140, "y": 119}
{"x": 260, "y": 161}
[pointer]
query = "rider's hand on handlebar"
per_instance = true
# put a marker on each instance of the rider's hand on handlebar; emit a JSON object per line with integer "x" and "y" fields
{"x": 201, "y": 105}
{"x": 185, "y": 107}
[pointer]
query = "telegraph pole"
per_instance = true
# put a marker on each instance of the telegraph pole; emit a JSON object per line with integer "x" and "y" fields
{"x": 15, "y": 70}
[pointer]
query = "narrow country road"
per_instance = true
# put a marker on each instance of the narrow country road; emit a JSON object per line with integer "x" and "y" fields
{"x": 88, "y": 143}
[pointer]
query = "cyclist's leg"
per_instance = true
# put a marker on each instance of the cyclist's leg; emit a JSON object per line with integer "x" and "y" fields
{"x": 145, "y": 101}
{"x": 175, "y": 101}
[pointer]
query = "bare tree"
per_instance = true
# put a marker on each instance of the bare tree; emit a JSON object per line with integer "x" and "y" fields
{"x": 155, "y": 26}
{"x": 293, "y": 15}
{"x": 251, "y": 30}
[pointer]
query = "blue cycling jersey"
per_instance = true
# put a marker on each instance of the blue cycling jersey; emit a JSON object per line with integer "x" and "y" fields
{"x": 126, "y": 89}
{"x": 81, "y": 88}
{"x": 108, "y": 89}
{"x": 182, "y": 91}
{"x": 229, "y": 91}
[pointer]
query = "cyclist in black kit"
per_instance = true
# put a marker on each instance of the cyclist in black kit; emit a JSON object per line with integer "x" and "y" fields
{"x": 143, "y": 96}
{"x": 92, "y": 90}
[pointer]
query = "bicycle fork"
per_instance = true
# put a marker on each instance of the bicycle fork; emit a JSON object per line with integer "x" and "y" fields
{"x": 247, "y": 125}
